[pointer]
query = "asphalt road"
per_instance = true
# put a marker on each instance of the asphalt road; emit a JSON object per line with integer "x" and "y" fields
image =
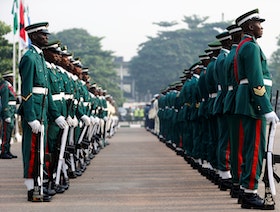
{"x": 135, "y": 172}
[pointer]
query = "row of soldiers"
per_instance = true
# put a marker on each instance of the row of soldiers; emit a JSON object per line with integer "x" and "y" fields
{"x": 65, "y": 119}
{"x": 216, "y": 115}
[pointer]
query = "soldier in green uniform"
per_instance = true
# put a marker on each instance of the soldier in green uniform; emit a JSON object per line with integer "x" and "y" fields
{"x": 228, "y": 110}
{"x": 211, "y": 85}
{"x": 36, "y": 103}
{"x": 103, "y": 112}
{"x": 194, "y": 119}
{"x": 253, "y": 105}
{"x": 223, "y": 148}
{"x": 203, "y": 112}
{"x": 54, "y": 134}
{"x": 161, "y": 106}
{"x": 175, "y": 119}
{"x": 8, "y": 101}
{"x": 181, "y": 117}
{"x": 186, "y": 104}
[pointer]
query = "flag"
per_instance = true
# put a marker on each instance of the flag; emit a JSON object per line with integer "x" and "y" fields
{"x": 15, "y": 14}
{"x": 22, "y": 33}
{"x": 28, "y": 22}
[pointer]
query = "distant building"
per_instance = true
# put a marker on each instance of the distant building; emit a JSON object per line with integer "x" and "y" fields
{"x": 126, "y": 83}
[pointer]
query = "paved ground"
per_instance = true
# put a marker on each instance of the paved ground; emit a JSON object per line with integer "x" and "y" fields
{"x": 135, "y": 172}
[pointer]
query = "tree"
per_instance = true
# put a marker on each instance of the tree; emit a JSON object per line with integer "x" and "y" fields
{"x": 161, "y": 59}
{"x": 6, "y": 50}
{"x": 274, "y": 65}
{"x": 100, "y": 63}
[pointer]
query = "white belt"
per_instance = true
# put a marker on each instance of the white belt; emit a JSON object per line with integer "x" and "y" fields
{"x": 244, "y": 81}
{"x": 212, "y": 95}
{"x": 266, "y": 82}
{"x": 40, "y": 90}
{"x": 62, "y": 94}
{"x": 230, "y": 88}
{"x": 68, "y": 96}
{"x": 12, "y": 103}
{"x": 219, "y": 87}
{"x": 57, "y": 97}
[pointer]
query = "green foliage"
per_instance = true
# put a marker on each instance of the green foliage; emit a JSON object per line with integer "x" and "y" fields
{"x": 100, "y": 63}
{"x": 161, "y": 59}
{"x": 274, "y": 67}
{"x": 6, "y": 50}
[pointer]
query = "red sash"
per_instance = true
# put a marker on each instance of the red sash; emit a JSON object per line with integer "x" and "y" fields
{"x": 235, "y": 57}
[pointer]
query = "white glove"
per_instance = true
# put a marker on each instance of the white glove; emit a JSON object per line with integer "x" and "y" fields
{"x": 8, "y": 120}
{"x": 92, "y": 120}
{"x": 271, "y": 117}
{"x": 70, "y": 121}
{"x": 35, "y": 126}
{"x": 61, "y": 122}
{"x": 86, "y": 120}
{"x": 76, "y": 122}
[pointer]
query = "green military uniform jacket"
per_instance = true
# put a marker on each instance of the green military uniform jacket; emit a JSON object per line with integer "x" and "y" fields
{"x": 8, "y": 100}
{"x": 204, "y": 95}
{"x": 219, "y": 76}
{"x": 230, "y": 81}
{"x": 253, "y": 96}
{"x": 195, "y": 98}
{"x": 211, "y": 85}
{"x": 185, "y": 96}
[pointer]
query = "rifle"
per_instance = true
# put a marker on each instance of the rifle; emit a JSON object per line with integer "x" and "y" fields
{"x": 79, "y": 148}
{"x": 61, "y": 154}
{"x": 39, "y": 159}
{"x": 70, "y": 148}
{"x": 269, "y": 174}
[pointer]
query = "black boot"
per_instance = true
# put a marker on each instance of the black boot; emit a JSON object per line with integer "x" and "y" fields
{"x": 58, "y": 189}
{"x": 225, "y": 184}
{"x": 5, "y": 156}
{"x": 49, "y": 191}
{"x": 240, "y": 195}
{"x": 65, "y": 183}
{"x": 72, "y": 175}
{"x": 234, "y": 191}
{"x": 12, "y": 155}
{"x": 34, "y": 196}
{"x": 252, "y": 201}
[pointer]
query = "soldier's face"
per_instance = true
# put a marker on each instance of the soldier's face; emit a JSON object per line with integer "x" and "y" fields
{"x": 257, "y": 29}
{"x": 40, "y": 39}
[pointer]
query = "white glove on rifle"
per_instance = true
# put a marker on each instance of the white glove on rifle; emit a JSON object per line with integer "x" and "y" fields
{"x": 70, "y": 121}
{"x": 271, "y": 117}
{"x": 35, "y": 126}
{"x": 8, "y": 120}
{"x": 86, "y": 120}
{"x": 61, "y": 122}
{"x": 76, "y": 122}
{"x": 97, "y": 120}
{"x": 92, "y": 120}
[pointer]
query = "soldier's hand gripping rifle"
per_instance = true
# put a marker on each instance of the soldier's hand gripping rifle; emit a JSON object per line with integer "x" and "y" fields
{"x": 269, "y": 174}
